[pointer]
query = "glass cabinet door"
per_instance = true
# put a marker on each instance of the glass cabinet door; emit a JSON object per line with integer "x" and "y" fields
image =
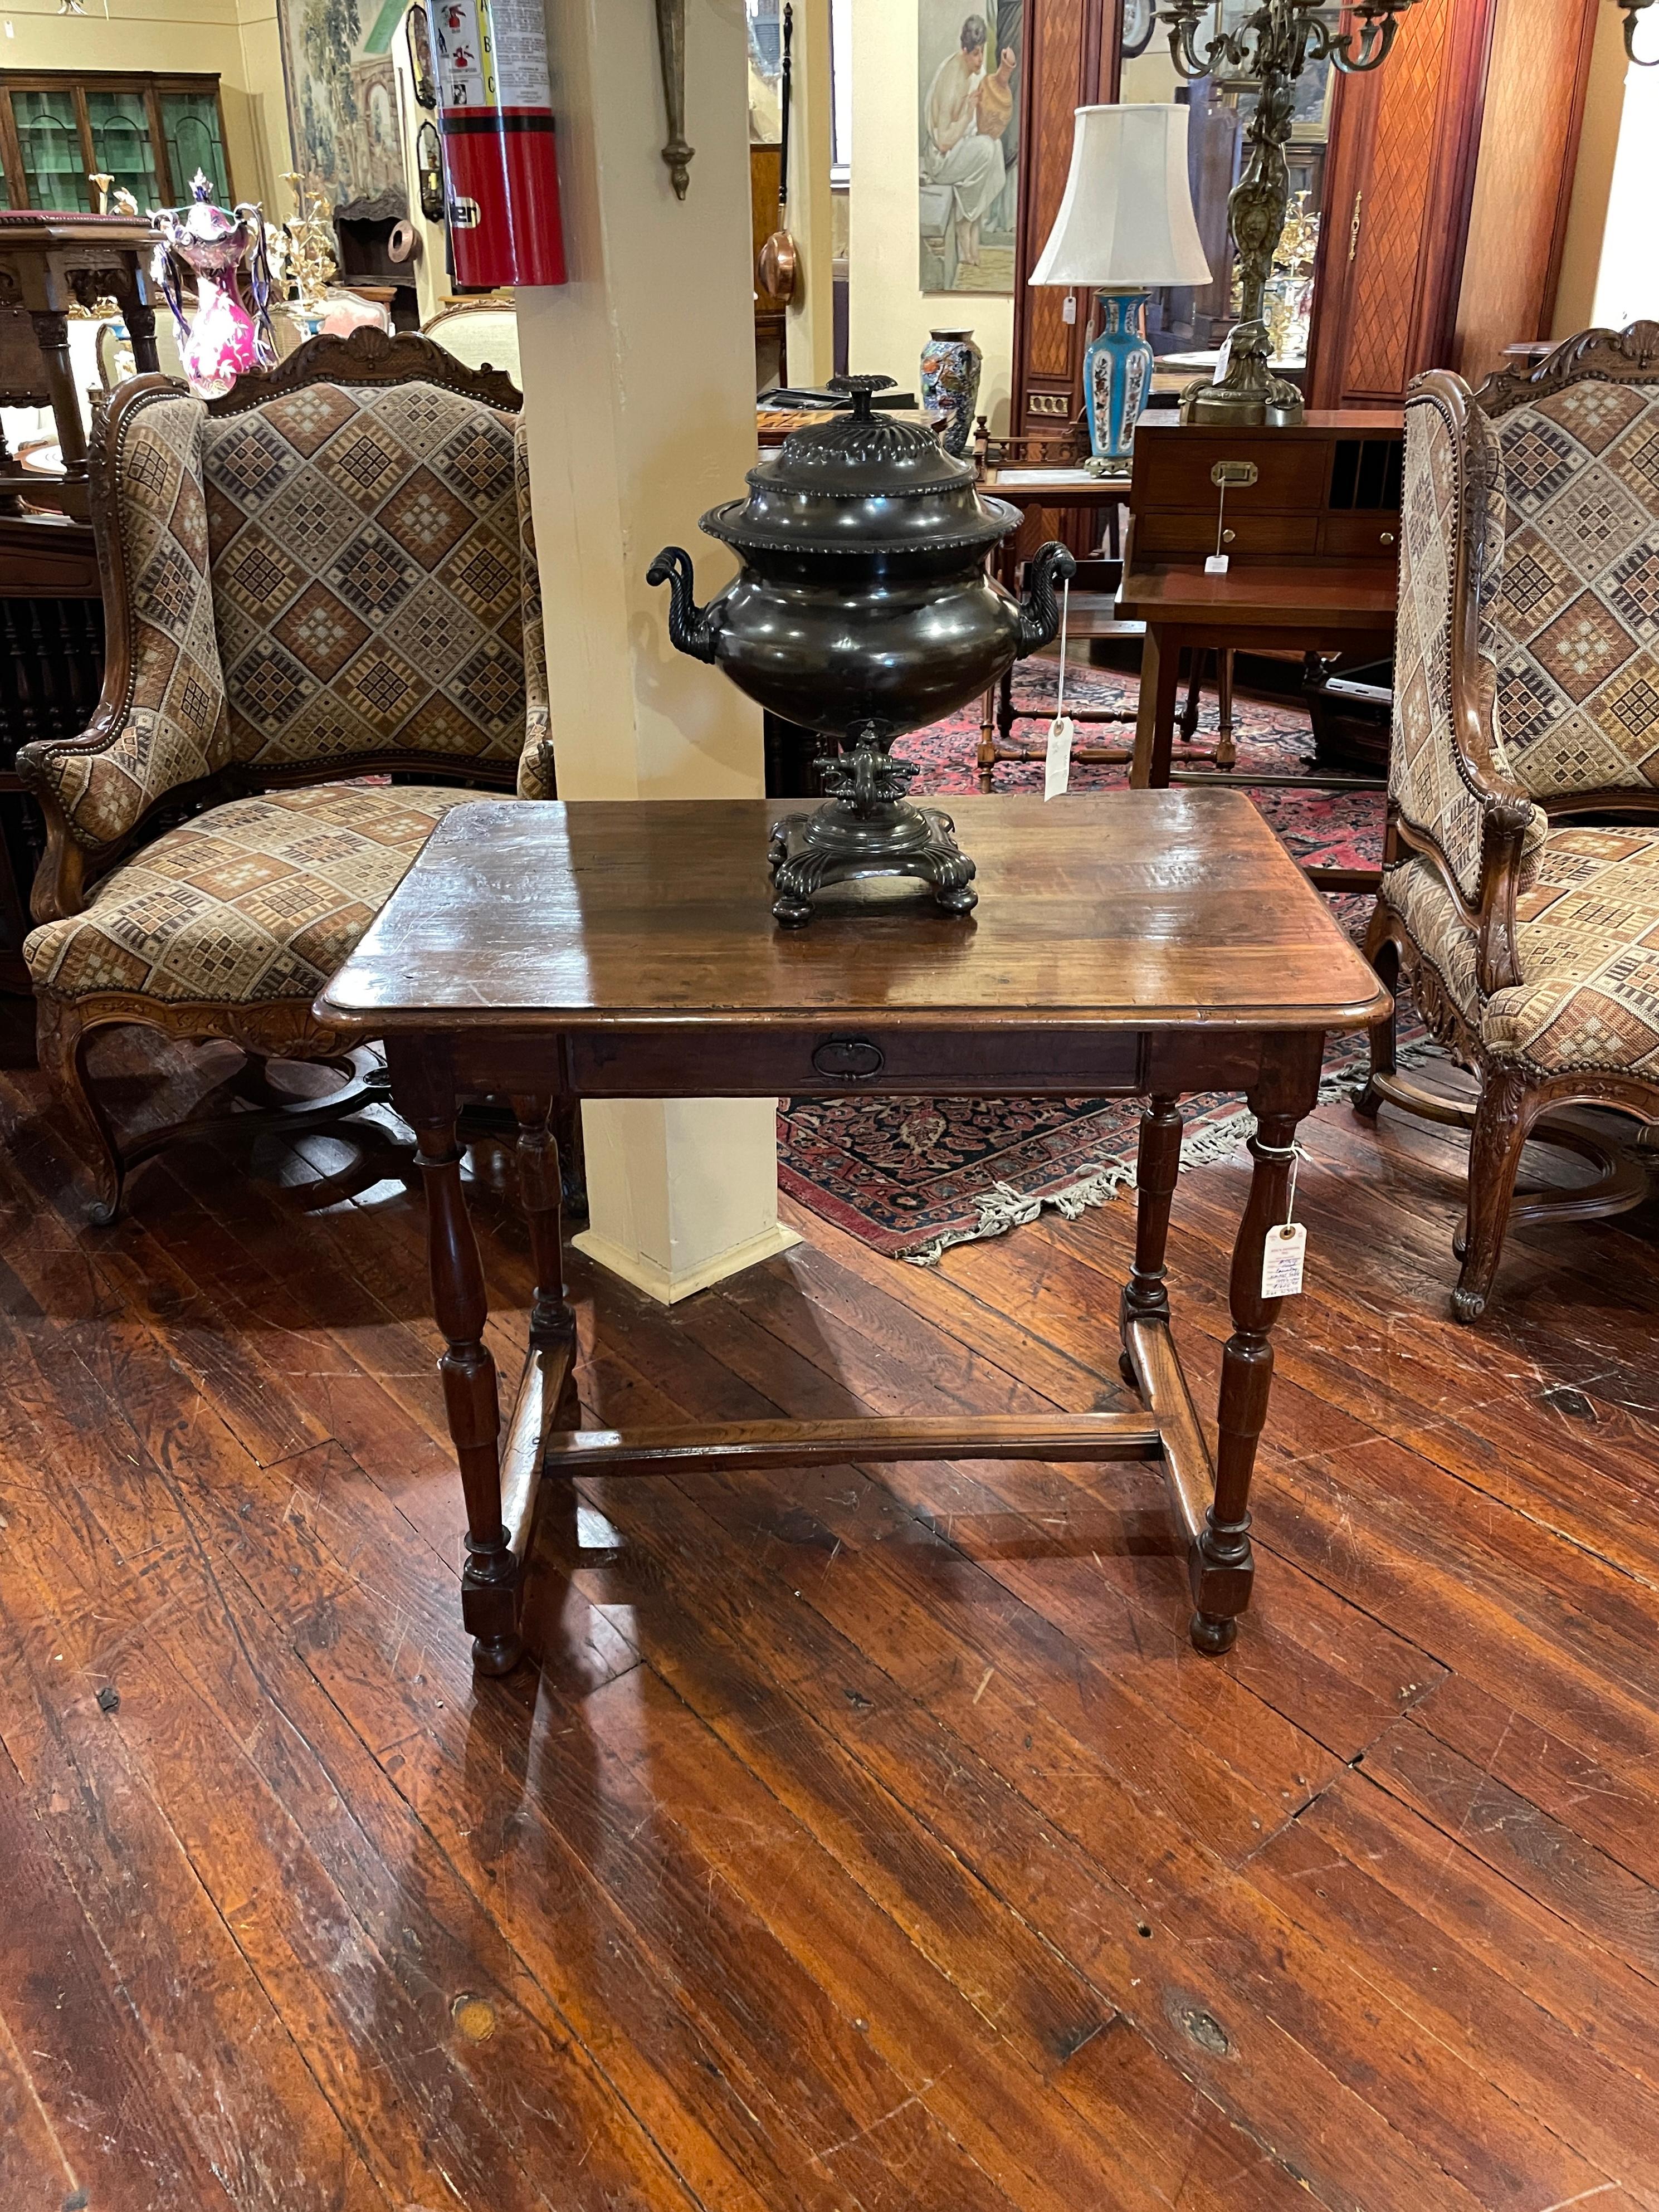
{"x": 48, "y": 139}
{"x": 121, "y": 145}
{"x": 190, "y": 121}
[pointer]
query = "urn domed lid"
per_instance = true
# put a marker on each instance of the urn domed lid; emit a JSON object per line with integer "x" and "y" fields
{"x": 859, "y": 484}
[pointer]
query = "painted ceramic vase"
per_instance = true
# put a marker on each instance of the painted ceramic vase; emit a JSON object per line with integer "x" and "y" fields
{"x": 950, "y": 365}
{"x": 1117, "y": 374}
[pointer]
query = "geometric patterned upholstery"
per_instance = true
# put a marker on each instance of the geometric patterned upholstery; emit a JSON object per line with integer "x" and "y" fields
{"x": 364, "y": 550}
{"x": 259, "y": 899}
{"x": 341, "y": 570}
{"x": 1588, "y": 945}
{"x": 538, "y": 777}
{"x": 1575, "y": 620}
{"x": 176, "y": 727}
{"x": 1426, "y": 779}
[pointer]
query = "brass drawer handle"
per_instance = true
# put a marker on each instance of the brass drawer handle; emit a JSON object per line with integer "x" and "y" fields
{"x": 1387, "y": 537}
{"x": 1228, "y": 536}
{"x": 849, "y": 1059}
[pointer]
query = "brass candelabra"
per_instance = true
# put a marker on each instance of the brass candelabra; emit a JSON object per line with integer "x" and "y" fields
{"x": 1270, "y": 47}
{"x": 307, "y": 257}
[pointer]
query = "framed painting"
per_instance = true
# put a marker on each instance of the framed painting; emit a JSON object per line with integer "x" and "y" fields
{"x": 341, "y": 86}
{"x": 967, "y": 142}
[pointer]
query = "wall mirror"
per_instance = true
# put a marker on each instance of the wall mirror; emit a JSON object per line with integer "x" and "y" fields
{"x": 1185, "y": 320}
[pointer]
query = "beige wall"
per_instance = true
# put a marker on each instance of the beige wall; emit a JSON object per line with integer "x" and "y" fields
{"x": 1586, "y": 218}
{"x": 236, "y": 42}
{"x": 888, "y": 315}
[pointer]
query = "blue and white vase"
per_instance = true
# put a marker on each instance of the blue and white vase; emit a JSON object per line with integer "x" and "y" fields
{"x": 951, "y": 365}
{"x": 1117, "y": 374}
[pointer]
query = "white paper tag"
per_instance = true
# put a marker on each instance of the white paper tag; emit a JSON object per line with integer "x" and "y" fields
{"x": 1068, "y": 308}
{"x": 1057, "y": 761}
{"x": 1223, "y": 360}
{"x": 1281, "y": 1261}
{"x": 1217, "y": 564}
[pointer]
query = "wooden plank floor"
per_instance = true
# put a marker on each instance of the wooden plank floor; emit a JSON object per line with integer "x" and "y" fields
{"x": 862, "y": 1842}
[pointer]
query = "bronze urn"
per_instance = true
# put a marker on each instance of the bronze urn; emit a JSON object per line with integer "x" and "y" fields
{"x": 863, "y": 609}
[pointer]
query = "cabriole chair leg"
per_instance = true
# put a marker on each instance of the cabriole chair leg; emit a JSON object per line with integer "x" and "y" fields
{"x": 1502, "y": 1120}
{"x": 61, "y": 1038}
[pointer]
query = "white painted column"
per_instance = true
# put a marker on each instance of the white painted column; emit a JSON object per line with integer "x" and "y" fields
{"x": 639, "y": 386}
{"x": 810, "y": 332}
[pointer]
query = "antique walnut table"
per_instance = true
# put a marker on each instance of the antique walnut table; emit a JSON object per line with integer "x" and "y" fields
{"x": 1130, "y": 943}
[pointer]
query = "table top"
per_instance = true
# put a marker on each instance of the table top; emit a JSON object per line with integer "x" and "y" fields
{"x": 1113, "y": 909}
{"x": 1263, "y": 595}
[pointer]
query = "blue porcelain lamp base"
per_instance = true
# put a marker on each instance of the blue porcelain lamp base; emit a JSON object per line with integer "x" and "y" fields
{"x": 1117, "y": 374}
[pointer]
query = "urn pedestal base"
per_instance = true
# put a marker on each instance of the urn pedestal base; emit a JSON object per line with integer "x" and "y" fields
{"x": 837, "y": 845}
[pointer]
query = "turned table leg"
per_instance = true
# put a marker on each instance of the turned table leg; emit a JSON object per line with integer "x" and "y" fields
{"x": 988, "y": 741}
{"x": 1155, "y": 719}
{"x": 489, "y": 1583}
{"x": 1221, "y": 1567}
{"x": 540, "y": 1192}
{"x": 1145, "y": 1294}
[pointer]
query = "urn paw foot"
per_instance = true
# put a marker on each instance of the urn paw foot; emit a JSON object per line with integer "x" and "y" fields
{"x": 809, "y": 852}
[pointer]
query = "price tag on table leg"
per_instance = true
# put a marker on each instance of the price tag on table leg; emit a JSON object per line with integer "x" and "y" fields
{"x": 1281, "y": 1261}
{"x": 1057, "y": 761}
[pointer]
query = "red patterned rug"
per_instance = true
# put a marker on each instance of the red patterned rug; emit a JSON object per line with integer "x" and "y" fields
{"x": 912, "y": 1176}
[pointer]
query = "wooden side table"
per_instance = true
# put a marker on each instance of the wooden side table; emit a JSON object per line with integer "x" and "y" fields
{"x": 1338, "y": 608}
{"x": 1126, "y": 943}
{"x": 1309, "y": 519}
{"x": 49, "y": 263}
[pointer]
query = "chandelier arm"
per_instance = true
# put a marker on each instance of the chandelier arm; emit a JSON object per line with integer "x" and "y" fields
{"x": 1183, "y": 52}
{"x": 1375, "y": 45}
{"x": 1632, "y": 9}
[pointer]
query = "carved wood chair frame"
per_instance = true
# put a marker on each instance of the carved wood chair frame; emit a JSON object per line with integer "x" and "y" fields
{"x": 274, "y": 1030}
{"x": 1512, "y": 1103}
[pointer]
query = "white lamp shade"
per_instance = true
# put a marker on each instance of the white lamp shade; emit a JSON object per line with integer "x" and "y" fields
{"x": 1126, "y": 221}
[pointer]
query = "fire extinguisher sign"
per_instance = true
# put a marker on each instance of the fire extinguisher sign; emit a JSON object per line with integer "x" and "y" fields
{"x": 496, "y": 115}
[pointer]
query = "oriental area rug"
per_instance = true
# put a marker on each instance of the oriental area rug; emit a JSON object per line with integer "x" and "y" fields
{"x": 912, "y": 1176}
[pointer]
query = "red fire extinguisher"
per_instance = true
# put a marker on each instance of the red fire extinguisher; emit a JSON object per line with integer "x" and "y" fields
{"x": 496, "y": 115}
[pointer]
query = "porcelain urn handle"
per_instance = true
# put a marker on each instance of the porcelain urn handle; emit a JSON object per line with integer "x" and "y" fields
{"x": 691, "y": 629}
{"x": 1039, "y": 610}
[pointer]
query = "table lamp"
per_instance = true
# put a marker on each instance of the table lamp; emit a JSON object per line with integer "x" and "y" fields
{"x": 1125, "y": 225}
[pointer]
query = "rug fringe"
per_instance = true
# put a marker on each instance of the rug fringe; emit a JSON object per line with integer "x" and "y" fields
{"x": 1004, "y": 1206}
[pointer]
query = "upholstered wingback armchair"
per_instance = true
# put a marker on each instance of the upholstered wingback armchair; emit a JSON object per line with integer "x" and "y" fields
{"x": 326, "y": 575}
{"x": 1532, "y": 951}
{"x": 1573, "y": 619}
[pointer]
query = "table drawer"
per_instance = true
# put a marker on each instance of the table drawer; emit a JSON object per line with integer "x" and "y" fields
{"x": 1172, "y": 532}
{"x": 1354, "y": 536}
{"x": 1176, "y": 469}
{"x": 838, "y": 1058}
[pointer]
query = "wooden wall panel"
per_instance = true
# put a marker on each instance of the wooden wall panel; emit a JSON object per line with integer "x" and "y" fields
{"x": 1402, "y": 173}
{"x": 1055, "y": 81}
{"x": 1535, "y": 103}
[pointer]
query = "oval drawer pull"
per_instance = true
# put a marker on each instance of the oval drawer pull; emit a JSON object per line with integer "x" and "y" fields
{"x": 852, "y": 1059}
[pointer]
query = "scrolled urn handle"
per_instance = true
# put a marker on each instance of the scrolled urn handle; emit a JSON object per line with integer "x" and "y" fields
{"x": 1039, "y": 610}
{"x": 691, "y": 629}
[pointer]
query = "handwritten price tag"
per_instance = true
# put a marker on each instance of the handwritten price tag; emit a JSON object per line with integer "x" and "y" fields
{"x": 1057, "y": 761}
{"x": 1281, "y": 1261}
